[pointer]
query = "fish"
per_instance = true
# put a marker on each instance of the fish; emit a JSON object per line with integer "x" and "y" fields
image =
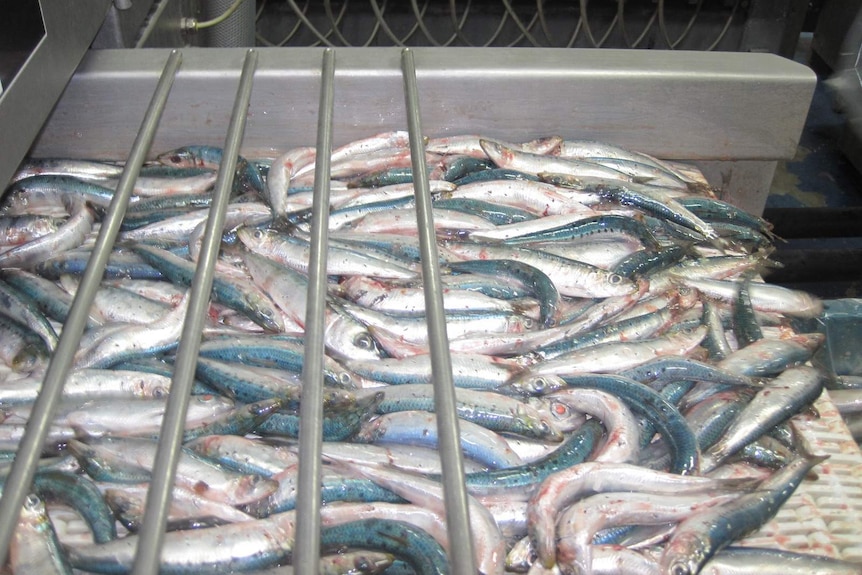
{"x": 589, "y": 296}
{"x": 786, "y": 394}
{"x": 568, "y": 485}
{"x": 35, "y": 547}
{"x": 703, "y": 534}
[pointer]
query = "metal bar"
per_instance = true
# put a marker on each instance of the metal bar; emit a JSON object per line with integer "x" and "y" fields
{"x": 307, "y": 544}
{"x": 24, "y": 468}
{"x": 170, "y": 437}
{"x": 26, "y": 102}
{"x": 461, "y": 559}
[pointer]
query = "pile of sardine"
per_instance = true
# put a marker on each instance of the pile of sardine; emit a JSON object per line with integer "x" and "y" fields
{"x": 625, "y": 380}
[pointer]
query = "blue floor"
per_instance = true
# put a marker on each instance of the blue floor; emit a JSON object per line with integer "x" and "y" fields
{"x": 817, "y": 197}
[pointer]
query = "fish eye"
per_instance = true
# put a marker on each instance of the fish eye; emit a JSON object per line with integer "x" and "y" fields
{"x": 258, "y": 234}
{"x": 364, "y": 341}
{"x": 160, "y": 393}
{"x": 559, "y": 409}
{"x": 539, "y": 384}
{"x": 528, "y": 323}
{"x": 32, "y": 501}
{"x": 345, "y": 378}
{"x": 615, "y": 279}
{"x": 175, "y": 159}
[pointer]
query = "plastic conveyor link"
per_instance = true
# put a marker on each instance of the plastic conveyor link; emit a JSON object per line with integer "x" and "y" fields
{"x": 461, "y": 559}
{"x": 307, "y": 544}
{"x": 170, "y": 437}
{"x": 27, "y": 458}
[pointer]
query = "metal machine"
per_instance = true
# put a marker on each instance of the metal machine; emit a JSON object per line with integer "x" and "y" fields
{"x": 732, "y": 114}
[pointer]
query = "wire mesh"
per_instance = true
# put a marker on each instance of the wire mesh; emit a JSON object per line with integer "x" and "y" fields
{"x": 659, "y": 24}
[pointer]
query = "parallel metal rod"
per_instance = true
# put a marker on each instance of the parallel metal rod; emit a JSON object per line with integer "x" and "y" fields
{"x": 24, "y": 468}
{"x": 147, "y": 555}
{"x": 307, "y": 544}
{"x": 461, "y": 559}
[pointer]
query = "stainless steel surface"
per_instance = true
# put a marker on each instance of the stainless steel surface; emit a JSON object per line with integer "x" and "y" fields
{"x": 307, "y": 544}
{"x": 20, "y": 477}
{"x": 686, "y": 105}
{"x": 162, "y": 27}
{"x": 122, "y": 26}
{"x": 680, "y": 105}
{"x": 461, "y": 559}
{"x": 26, "y": 102}
{"x": 846, "y": 81}
{"x": 743, "y": 183}
{"x": 833, "y": 28}
{"x": 164, "y": 471}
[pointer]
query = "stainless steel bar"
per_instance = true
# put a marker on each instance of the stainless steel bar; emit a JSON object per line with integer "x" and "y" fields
{"x": 461, "y": 559}
{"x": 24, "y": 468}
{"x": 307, "y": 544}
{"x": 170, "y": 437}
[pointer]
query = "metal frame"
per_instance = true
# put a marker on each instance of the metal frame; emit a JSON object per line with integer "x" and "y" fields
{"x": 459, "y": 91}
{"x": 29, "y": 98}
{"x": 307, "y": 545}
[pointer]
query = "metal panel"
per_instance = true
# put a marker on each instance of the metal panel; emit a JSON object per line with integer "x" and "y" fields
{"x": 122, "y": 26}
{"x": 69, "y": 29}
{"x": 163, "y": 27}
{"x": 680, "y": 105}
{"x": 745, "y": 184}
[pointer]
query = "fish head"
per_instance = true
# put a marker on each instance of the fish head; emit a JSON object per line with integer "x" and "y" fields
{"x": 252, "y": 237}
{"x": 617, "y": 285}
{"x": 347, "y": 338}
{"x": 538, "y": 425}
{"x": 532, "y": 384}
{"x": 261, "y": 410}
{"x": 265, "y": 314}
{"x": 29, "y": 357}
{"x": 34, "y": 510}
{"x": 179, "y": 158}
{"x": 147, "y": 387}
{"x": 562, "y": 416}
{"x": 370, "y": 563}
{"x": 685, "y": 554}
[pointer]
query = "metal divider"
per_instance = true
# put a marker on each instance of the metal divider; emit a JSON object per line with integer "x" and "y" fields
{"x": 23, "y": 470}
{"x": 461, "y": 559}
{"x": 171, "y": 435}
{"x": 307, "y": 543}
